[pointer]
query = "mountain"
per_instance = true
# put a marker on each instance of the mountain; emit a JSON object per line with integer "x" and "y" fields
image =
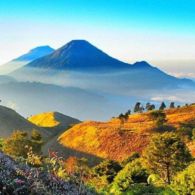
{"x": 29, "y": 98}
{"x": 19, "y": 62}
{"x": 80, "y": 64}
{"x": 35, "y": 53}
{"x": 11, "y": 121}
{"x": 78, "y": 55}
{"x": 116, "y": 141}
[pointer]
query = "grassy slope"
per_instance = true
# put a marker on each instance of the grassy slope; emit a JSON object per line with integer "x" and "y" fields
{"x": 52, "y": 119}
{"x": 115, "y": 141}
{"x": 11, "y": 121}
{"x": 56, "y": 123}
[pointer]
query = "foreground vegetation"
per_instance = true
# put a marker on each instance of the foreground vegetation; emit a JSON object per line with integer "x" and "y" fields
{"x": 165, "y": 165}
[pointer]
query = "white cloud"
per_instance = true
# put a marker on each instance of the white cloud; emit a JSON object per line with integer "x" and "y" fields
{"x": 167, "y": 98}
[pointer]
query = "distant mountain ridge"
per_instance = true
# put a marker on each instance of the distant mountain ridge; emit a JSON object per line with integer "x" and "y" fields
{"x": 82, "y": 57}
{"x": 19, "y": 62}
{"x": 36, "y": 53}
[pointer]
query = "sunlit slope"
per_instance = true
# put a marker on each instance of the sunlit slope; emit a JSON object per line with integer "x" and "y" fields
{"x": 117, "y": 141}
{"x": 56, "y": 123}
{"x": 11, "y": 121}
{"x": 52, "y": 119}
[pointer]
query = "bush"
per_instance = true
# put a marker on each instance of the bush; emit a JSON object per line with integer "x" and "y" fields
{"x": 187, "y": 131}
{"x": 18, "y": 144}
{"x": 133, "y": 156}
{"x": 22, "y": 179}
{"x": 184, "y": 182}
{"x": 107, "y": 168}
{"x": 159, "y": 117}
{"x": 132, "y": 173}
{"x": 143, "y": 189}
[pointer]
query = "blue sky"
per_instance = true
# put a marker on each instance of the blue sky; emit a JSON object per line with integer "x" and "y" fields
{"x": 160, "y": 31}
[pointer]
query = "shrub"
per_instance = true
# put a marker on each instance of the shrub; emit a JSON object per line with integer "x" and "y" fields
{"x": 18, "y": 144}
{"x": 132, "y": 173}
{"x": 107, "y": 168}
{"x": 184, "y": 182}
{"x": 133, "y": 156}
{"x": 159, "y": 117}
{"x": 143, "y": 189}
{"x": 22, "y": 179}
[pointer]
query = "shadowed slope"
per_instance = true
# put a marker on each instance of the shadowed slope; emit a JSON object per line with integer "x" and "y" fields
{"x": 11, "y": 121}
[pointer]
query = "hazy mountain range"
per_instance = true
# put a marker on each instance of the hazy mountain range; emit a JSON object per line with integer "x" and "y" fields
{"x": 82, "y": 81}
{"x": 33, "y": 54}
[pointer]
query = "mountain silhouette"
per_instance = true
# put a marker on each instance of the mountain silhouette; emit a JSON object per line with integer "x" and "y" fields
{"x": 96, "y": 70}
{"x": 78, "y": 55}
{"x": 22, "y": 60}
{"x": 35, "y": 53}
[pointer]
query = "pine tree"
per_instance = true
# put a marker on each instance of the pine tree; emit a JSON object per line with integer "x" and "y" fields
{"x": 172, "y": 105}
{"x": 162, "y": 106}
{"x": 138, "y": 108}
{"x": 167, "y": 154}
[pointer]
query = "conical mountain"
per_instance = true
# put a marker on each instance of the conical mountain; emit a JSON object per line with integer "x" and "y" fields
{"x": 78, "y": 55}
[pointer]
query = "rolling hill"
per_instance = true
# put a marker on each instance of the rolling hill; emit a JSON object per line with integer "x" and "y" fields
{"x": 115, "y": 141}
{"x": 56, "y": 123}
{"x": 11, "y": 121}
{"x": 52, "y": 120}
{"x": 19, "y": 62}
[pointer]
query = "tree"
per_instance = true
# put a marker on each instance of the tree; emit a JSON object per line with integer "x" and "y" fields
{"x": 160, "y": 118}
{"x": 19, "y": 143}
{"x": 36, "y": 141}
{"x": 107, "y": 168}
{"x": 123, "y": 118}
{"x": 172, "y": 105}
{"x": 193, "y": 134}
{"x": 150, "y": 106}
{"x": 16, "y": 144}
{"x": 167, "y": 154}
{"x": 162, "y": 106}
{"x": 128, "y": 112}
{"x": 185, "y": 131}
{"x": 138, "y": 108}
